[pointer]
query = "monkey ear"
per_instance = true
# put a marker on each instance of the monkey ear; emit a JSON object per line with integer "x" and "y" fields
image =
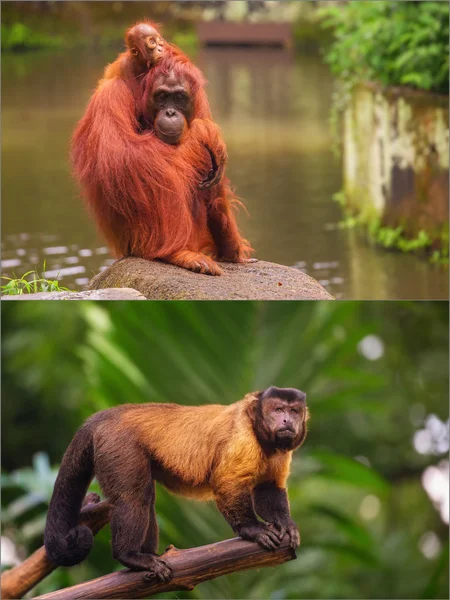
{"x": 307, "y": 415}
{"x": 252, "y": 407}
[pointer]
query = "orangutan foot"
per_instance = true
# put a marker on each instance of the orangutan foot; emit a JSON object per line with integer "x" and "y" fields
{"x": 195, "y": 261}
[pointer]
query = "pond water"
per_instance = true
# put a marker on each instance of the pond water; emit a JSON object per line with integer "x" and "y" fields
{"x": 273, "y": 108}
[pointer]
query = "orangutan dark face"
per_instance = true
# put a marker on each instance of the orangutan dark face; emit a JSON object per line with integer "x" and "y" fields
{"x": 170, "y": 107}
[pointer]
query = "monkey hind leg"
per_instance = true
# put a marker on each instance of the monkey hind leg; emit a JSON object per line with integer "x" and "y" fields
{"x": 150, "y": 544}
{"x": 128, "y": 484}
{"x": 131, "y": 534}
{"x": 195, "y": 261}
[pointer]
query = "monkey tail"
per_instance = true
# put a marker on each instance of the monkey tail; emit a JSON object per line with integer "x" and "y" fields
{"x": 66, "y": 542}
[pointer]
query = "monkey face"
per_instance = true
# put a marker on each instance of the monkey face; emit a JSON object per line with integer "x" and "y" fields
{"x": 145, "y": 44}
{"x": 284, "y": 413}
{"x": 170, "y": 107}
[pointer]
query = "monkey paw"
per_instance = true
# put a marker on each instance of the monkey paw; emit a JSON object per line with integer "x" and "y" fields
{"x": 288, "y": 526}
{"x": 159, "y": 570}
{"x": 265, "y": 535}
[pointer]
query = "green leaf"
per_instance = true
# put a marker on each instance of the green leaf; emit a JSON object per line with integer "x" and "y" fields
{"x": 23, "y": 504}
{"x": 349, "y": 550}
{"x": 431, "y": 589}
{"x": 356, "y": 532}
{"x": 349, "y": 471}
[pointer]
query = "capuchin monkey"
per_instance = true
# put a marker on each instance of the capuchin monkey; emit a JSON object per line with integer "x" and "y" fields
{"x": 238, "y": 455}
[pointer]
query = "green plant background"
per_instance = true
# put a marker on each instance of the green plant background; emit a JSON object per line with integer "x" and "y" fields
{"x": 64, "y": 361}
{"x": 396, "y": 43}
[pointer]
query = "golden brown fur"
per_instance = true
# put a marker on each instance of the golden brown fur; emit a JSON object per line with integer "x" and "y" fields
{"x": 226, "y": 438}
{"x": 233, "y": 454}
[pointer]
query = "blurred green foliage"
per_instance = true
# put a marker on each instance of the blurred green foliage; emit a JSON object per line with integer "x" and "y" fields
{"x": 49, "y": 24}
{"x": 64, "y": 361}
{"x": 18, "y": 36}
{"x": 433, "y": 245}
{"x": 396, "y": 43}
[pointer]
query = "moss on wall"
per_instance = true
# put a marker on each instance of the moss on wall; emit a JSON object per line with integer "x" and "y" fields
{"x": 396, "y": 161}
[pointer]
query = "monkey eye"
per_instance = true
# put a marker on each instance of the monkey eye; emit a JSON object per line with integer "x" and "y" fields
{"x": 279, "y": 410}
{"x": 294, "y": 410}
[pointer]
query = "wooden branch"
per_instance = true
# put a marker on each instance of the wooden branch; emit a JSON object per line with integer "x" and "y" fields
{"x": 19, "y": 580}
{"x": 190, "y": 567}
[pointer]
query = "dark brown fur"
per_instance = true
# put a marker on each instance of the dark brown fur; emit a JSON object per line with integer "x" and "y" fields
{"x": 239, "y": 455}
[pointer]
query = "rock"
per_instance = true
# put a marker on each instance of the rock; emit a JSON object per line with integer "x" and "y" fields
{"x": 251, "y": 281}
{"x": 124, "y": 293}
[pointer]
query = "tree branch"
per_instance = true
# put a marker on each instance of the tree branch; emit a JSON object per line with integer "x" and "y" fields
{"x": 19, "y": 580}
{"x": 190, "y": 567}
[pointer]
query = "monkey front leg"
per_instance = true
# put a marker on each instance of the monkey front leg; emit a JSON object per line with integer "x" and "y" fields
{"x": 271, "y": 504}
{"x": 237, "y": 508}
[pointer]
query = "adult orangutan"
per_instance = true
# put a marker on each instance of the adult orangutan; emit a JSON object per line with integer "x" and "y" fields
{"x": 151, "y": 160}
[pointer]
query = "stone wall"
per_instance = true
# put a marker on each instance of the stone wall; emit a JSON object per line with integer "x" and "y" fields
{"x": 396, "y": 158}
